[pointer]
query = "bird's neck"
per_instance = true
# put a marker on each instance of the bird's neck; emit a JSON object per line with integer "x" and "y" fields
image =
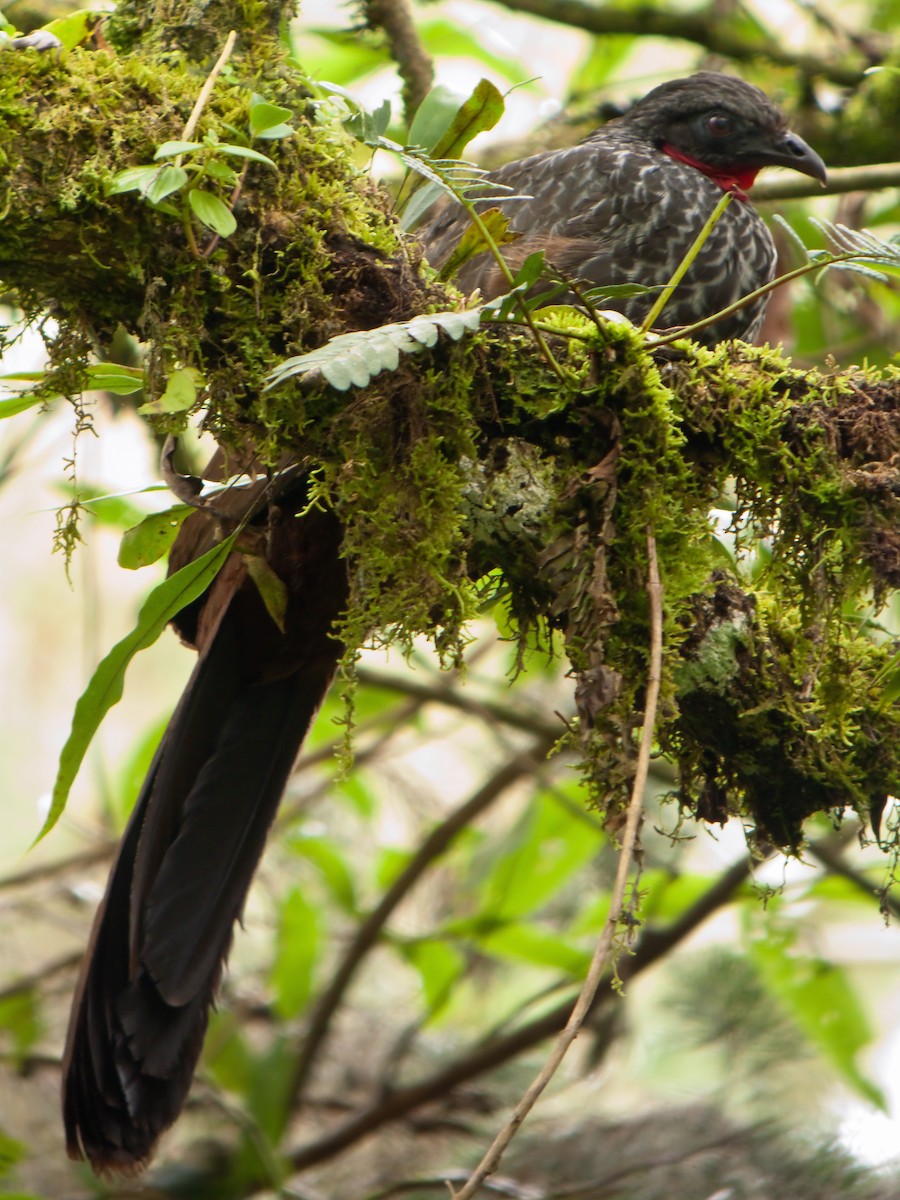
{"x": 738, "y": 180}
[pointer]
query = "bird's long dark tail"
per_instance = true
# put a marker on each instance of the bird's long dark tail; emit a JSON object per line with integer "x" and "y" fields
{"x": 187, "y": 858}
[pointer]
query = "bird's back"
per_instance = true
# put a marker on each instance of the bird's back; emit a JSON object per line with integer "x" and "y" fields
{"x": 616, "y": 210}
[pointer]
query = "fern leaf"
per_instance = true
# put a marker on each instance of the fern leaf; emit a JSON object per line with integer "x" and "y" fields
{"x": 353, "y": 359}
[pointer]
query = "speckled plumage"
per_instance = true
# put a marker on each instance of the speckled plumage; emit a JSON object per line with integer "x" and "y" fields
{"x": 619, "y": 208}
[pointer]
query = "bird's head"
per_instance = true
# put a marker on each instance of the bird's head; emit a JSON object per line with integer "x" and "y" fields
{"x": 726, "y": 128}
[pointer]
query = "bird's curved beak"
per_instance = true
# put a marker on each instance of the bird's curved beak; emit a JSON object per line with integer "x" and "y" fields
{"x": 790, "y": 150}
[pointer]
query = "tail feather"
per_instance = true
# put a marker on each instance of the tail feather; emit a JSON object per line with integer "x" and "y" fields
{"x": 180, "y": 879}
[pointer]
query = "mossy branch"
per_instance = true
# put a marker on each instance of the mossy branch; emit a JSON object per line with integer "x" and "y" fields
{"x": 470, "y": 459}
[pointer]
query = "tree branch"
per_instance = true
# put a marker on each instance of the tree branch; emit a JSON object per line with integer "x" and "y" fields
{"x": 840, "y": 181}
{"x": 416, "y": 68}
{"x": 703, "y": 27}
{"x": 650, "y": 948}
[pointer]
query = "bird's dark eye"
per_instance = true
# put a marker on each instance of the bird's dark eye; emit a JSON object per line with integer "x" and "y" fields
{"x": 719, "y": 125}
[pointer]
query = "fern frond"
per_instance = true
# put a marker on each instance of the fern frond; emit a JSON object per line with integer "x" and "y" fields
{"x": 353, "y": 359}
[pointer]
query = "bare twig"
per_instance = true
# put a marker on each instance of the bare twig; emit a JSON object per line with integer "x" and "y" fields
{"x": 500, "y": 1186}
{"x": 829, "y": 855}
{"x": 191, "y": 125}
{"x": 75, "y": 862}
{"x": 603, "y": 952}
{"x": 206, "y": 90}
{"x": 27, "y": 983}
{"x": 413, "y": 62}
{"x": 441, "y": 692}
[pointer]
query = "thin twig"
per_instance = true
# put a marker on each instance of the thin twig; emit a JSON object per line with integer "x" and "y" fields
{"x": 583, "y": 1005}
{"x": 61, "y": 866}
{"x": 191, "y": 125}
{"x": 501, "y": 1186}
{"x": 28, "y": 983}
{"x": 688, "y": 331}
{"x": 235, "y": 196}
{"x": 441, "y": 692}
{"x": 206, "y": 90}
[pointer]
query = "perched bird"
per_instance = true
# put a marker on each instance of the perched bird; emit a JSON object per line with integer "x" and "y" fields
{"x": 623, "y": 206}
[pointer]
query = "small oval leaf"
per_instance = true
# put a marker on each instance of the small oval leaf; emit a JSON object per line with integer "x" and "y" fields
{"x": 213, "y": 212}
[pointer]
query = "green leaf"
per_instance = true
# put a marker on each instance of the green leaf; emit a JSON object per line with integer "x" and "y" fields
{"x": 665, "y": 897}
{"x": 331, "y": 865}
{"x": 212, "y": 211}
{"x": 75, "y": 28}
{"x": 473, "y": 241}
{"x": 509, "y": 306}
{"x": 434, "y": 116}
{"x": 447, "y": 39}
{"x": 107, "y": 683}
{"x": 354, "y": 789}
{"x": 419, "y": 203}
{"x": 101, "y": 377}
{"x": 112, "y": 377}
{"x": 355, "y": 358}
{"x": 116, "y": 512}
{"x": 168, "y": 179}
{"x": 370, "y": 127}
{"x": 11, "y": 1152}
{"x": 226, "y": 1054}
{"x": 180, "y": 392}
{"x": 264, "y": 117}
{"x": 891, "y": 692}
{"x": 246, "y": 152}
{"x": 19, "y": 404}
{"x": 296, "y": 956}
{"x": 267, "y": 1101}
{"x": 271, "y": 588}
{"x": 596, "y": 69}
{"x": 545, "y": 849}
{"x": 221, "y": 171}
{"x": 439, "y": 965}
{"x": 132, "y": 179}
{"x": 390, "y": 863}
{"x": 525, "y": 943}
{"x": 149, "y": 540}
{"x": 131, "y": 775}
{"x": 342, "y": 56}
{"x": 170, "y": 149}
{"x": 480, "y": 112}
{"x": 445, "y": 127}
{"x": 19, "y": 1017}
{"x": 820, "y": 999}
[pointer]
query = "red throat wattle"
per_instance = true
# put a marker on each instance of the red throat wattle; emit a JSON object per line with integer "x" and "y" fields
{"x": 738, "y": 180}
